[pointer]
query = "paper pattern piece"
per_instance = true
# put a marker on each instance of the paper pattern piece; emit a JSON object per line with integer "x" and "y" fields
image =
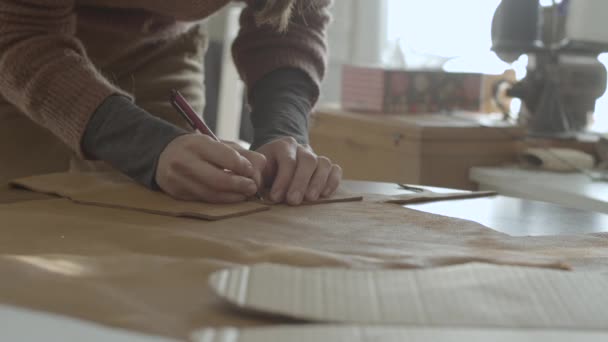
{"x": 429, "y": 196}
{"x": 335, "y": 333}
{"x": 116, "y": 191}
{"x": 476, "y": 295}
{"x": 110, "y": 190}
{"x": 24, "y": 325}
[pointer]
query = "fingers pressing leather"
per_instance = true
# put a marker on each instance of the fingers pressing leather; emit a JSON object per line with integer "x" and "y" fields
{"x": 306, "y": 165}
{"x": 319, "y": 179}
{"x": 286, "y": 160}
{"x": 335, "y": 177}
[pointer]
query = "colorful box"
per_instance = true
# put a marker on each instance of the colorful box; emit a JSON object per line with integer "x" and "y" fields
{"x": 377, "y": 90}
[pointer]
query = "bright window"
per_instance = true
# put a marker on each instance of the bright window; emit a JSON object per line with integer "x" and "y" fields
{"x": 442, "y": 27}
{"x": 448, "y": 34}
{"x": 457, "y": 33}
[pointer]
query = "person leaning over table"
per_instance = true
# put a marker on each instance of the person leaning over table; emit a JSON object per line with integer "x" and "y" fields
{"x": 97, "y": 74}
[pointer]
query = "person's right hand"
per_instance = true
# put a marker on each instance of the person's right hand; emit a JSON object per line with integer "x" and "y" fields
{"x": 192, "y": 167}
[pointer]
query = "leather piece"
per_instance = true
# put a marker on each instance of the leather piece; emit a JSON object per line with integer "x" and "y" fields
{"x": 148, "y": 273}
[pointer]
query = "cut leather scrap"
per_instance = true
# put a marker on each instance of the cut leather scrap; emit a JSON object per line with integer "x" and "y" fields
{"x": 429, "y": 196}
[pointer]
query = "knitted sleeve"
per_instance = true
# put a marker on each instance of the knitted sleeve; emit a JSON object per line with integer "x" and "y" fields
{"x": 259, "y": 50}
{"x": 44, "y": 69}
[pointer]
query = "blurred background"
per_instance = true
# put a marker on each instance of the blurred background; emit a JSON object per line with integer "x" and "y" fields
{"x": 454, "y": 36}
{"x": 449, "y": 93}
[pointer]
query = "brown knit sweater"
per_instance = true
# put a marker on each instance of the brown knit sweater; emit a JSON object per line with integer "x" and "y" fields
{"x": 51, "y": 50}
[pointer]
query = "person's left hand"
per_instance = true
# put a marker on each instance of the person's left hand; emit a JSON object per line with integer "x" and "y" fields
{"x": 295, "y": 173}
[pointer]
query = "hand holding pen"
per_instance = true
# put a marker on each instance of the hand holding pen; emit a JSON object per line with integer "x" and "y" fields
{"x": 193, "y": 166}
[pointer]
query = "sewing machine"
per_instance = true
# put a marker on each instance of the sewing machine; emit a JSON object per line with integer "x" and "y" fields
{"x": 565, "y": 77}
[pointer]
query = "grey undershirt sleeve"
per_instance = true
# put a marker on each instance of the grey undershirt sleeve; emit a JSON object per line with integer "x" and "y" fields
{"x": 131, "y": 140}
{"x": 281, "y": 102}
{"x": 128, "y": 138}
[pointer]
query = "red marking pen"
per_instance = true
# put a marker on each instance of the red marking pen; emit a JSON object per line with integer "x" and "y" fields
{"x": 196, "y": 122}
{"x": 183, "y": 107}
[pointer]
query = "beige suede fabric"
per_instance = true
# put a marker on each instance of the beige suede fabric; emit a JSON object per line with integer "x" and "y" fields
{"x": 148, "y": 272}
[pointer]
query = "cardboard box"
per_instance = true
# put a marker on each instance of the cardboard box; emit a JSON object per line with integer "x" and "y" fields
{"x": 377, "y": 90}
{"x": 426, "y": 149}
